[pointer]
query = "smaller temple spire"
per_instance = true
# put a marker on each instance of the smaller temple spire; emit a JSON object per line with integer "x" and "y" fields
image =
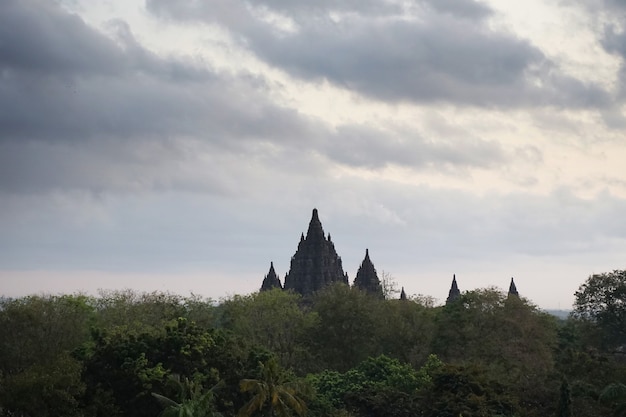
{"x": 367, "y": 279}
{"x": 271, "y": 280}
{"x": 513, "y": 289}
{"x": 454, "y": 293}
{"x": 402, "y": 295}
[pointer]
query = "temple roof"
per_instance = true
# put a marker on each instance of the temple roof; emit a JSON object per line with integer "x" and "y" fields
{"x": 271, "y": 280}
{"x": 513, "y": 289}
{"x": 315, "y": 231}
{"x": 367, "y": 279}
{"x": 315, "y": 263}
{"x": 402, "y": 294}
{"x": 454, "y": 293}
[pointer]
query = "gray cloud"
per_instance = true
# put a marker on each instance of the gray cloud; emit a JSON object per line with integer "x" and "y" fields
{"x": 415, "y": 225}
{"x": 438, "y": 52}
{"x": 81, "y": 110}
{"x": 39, "y": 37}
{"x": 115, "y": 158}
{"x": 363, "y": 146}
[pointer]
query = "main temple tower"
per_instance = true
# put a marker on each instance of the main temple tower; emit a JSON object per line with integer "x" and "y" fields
{"x": 315, "y": 263}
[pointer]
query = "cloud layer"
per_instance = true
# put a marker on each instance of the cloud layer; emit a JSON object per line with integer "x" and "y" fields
{"x": 432, "y": 132}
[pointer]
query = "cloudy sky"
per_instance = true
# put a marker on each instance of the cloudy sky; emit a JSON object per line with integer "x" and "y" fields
{"x": 180, "y": 145}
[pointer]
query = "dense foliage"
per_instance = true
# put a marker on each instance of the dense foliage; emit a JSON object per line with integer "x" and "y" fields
{"x": 340, "y": 353}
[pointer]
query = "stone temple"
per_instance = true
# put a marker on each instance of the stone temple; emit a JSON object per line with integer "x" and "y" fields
{"x": 367, "y": 279}
{"x": 315, "y": 263}
{"x": 271, "y": 280}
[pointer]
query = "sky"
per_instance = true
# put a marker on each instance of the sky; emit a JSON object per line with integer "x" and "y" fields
{"x": 181, "y": 145}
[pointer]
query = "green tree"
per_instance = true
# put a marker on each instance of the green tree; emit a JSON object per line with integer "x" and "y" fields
{"x": 135, "y": 311}
{"x": 37, "y": 329}
{"x": 615, "y": 396}
{"x": 601, "y": 300}
{"x": 275, "y": 321}
{"x": 564, "y": 408}
{"x": 44, "y": 389}
{"x": 349, "y": 327}
{"x": 273, "y": 394}
{"x": 407, "y": 331}
{"x": 124, "y": 367}
{"x": 468, "y": 391}
{"x": 194, "y": 400}
{"x": 379, "y": 386}
{"x": 38, "y": 376}
{"x": 506, "y": 337}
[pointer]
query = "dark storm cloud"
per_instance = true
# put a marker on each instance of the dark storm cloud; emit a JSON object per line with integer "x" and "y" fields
{"x": 84, "y": 110}
{"x": 61, "y": 79}
{"x": 433, "y": 52}
{"x": 39, "y": 37}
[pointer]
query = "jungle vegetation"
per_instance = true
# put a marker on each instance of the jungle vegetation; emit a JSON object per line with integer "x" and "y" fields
{"x": 340, "y": 353}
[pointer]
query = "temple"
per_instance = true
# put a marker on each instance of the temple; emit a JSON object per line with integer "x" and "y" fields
{"x": 402, "y": 295}
{"x": 271, "y": 280}
{"x": 366, "y": 278}
{"x": 315, "y": 263}
{"x": 513, "y": 289}
{"x": 454, "y": 293}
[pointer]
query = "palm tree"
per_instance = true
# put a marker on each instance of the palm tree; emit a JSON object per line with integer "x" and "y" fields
{"x": 194, "y": 402}
{"x": 273, "y": 395}
{"x": 615, "y": 395}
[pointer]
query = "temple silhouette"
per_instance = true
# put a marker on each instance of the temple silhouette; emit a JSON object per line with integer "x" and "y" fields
{"x": 316, "y": 264}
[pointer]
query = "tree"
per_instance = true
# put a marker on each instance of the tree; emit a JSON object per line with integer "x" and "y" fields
{"x": 389, "y": 285}
{"x": 349, "y": 327}
{"x": 38, "y": 376}
{"x": 407, "y": 331}
{"x": 37, "y": 329}
{"x": 379, "y": 386}
{"x": 508, "y": 338}
{"x": 44, "y": 390}
{"x": 615, "y": 395}
{"x": 122, "y": 367}
{"x": 467, "y": 391}
{"x": 273, "y": 320}
{"x": 273, "y": 395}
{"x": 601, "y": 300}
{"x": 194, "y": 400}
{"x": 135, "y": 311}
{"x": 564, "y": 408}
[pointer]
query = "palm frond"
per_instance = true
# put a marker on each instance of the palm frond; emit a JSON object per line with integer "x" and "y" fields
{"x": 164, "y": 401}
{"x": 612, "y": 392}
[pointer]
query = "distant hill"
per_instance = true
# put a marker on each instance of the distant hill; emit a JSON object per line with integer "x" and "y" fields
{"x": 562, "y": 314}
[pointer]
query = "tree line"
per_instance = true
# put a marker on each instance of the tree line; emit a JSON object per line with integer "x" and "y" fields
{"x": 340, "y": 353}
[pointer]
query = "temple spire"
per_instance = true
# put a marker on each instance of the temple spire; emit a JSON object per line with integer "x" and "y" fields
{"x": 402, "y": 295}
{"x": 315, "y": 263}
{"x": 454, "y": 293}
{"x": 315, "y": 232}
{"x": 513, "y": 289}
{"x": 367, "y": 279}
{"x": 271, "y": 280}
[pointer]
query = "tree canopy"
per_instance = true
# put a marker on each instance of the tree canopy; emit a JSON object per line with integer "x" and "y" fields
{"x": 342, "y": 352}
